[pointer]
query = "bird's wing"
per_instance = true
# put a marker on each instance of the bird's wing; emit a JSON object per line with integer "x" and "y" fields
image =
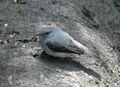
{"x": 69, "y": 47}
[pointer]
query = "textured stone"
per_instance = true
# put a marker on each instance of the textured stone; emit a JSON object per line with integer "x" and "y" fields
{"x": 94, "y": 23}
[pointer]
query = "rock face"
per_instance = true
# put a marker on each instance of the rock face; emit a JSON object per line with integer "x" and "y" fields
{"x": 95, "y": 23}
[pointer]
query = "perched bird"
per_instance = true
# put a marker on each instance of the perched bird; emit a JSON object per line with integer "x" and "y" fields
{"x": 58, "y": 43}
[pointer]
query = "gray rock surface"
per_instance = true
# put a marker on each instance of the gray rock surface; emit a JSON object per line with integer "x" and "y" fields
{"x": 95, "y": 23}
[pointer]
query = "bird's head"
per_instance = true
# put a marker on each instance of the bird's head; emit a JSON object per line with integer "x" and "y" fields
{"x": 44, "y": 31}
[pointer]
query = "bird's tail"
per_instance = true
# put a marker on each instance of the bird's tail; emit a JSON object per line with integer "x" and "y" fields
{"x": 93, "y": 52}
{"x": 89, "y": 51}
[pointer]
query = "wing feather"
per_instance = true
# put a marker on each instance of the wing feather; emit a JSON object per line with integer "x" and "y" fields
{"x": 67, "y": 48}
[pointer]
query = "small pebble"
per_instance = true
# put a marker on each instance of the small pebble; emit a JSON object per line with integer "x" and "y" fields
{"x": 11, "y": 36}
{"x": 91, "y": 81}
{"x": 90, "y": 77}
{"x": 42, "y": 76}
{"x": 5, "y": 25}
{"x": 24, "y": 46}
{"x": 15, "y": 1}
{"x": 5, "y": 42}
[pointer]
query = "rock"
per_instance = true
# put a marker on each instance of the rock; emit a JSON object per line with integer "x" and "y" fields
{"x": 94, "y": 23}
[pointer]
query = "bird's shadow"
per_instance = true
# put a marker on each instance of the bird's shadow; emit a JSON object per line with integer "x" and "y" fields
{"x": 67, "y": 64}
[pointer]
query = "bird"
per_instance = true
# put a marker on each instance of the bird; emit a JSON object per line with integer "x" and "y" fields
{"x": 58, "y": 43}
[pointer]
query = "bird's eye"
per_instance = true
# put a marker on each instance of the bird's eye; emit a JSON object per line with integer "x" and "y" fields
{"x": 45, "y": 33}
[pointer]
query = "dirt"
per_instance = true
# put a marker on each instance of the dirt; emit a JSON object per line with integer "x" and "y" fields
{"x": 95, "y": 23}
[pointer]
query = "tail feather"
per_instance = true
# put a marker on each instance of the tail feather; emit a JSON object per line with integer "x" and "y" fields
{"x": 93, "y": 52}
{"x": 79, "y": 45}
{"x": 90, "y": 51}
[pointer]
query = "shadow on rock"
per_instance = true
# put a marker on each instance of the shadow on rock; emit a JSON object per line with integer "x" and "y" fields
{"x": 66, "y": 64}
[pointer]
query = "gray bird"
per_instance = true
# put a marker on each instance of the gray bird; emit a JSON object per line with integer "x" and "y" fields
{"x": 58, "y": 43}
